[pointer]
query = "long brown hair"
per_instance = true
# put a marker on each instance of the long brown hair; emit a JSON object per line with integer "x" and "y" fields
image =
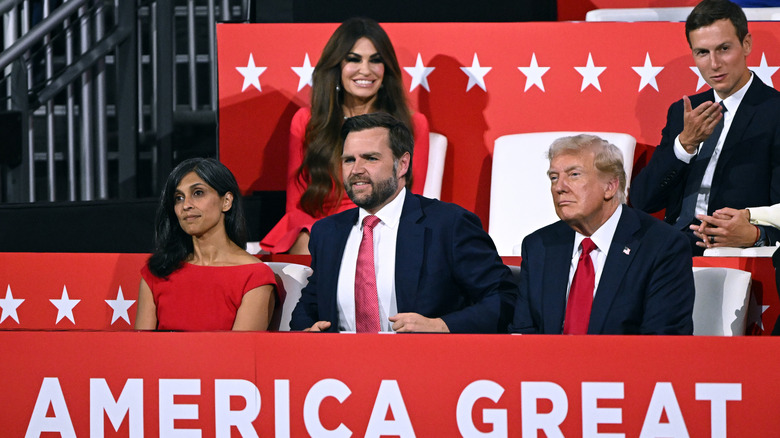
{"x": 320, "y": 168}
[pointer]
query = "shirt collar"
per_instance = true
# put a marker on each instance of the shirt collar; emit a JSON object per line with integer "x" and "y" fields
{"x": 603, "y": 236}
{"x": 732, "y": 102}
{"x": 390, "y": 214}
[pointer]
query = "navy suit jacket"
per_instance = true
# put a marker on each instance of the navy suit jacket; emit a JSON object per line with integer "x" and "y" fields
{"x": 646, "y": 286}
{"x": 748, "y": 170}
{"x": 446, "y": 267}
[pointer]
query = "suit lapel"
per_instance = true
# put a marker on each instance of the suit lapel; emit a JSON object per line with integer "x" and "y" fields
{"x": 409, "y": 253}
{"x": 739, "y": 128}
{"x": 556, "y": 277}
{"x": 622, "y": 251}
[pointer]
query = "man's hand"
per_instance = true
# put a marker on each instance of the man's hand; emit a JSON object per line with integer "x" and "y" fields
{"x": 698, "y": 123}
{"x": 414, "y": 322}
{"x": 726, "y": 227}
{"x": 319, "y": 326}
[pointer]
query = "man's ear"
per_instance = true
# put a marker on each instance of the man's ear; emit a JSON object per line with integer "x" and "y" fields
{"x": 227, "y": 202}
{"x": 611, "y": 188}
{"x": 747, "y": 44}
{"x": 403, "y": 165}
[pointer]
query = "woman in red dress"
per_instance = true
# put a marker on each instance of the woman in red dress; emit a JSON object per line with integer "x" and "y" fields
{"x": 200, "y": 277}
{"x": 357, "y": 73}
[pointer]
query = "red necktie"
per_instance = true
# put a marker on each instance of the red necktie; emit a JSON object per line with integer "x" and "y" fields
{"x": 581, "y": 293}
{"x": 366, "y": 300}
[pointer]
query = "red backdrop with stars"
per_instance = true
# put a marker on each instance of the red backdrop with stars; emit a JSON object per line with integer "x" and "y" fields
{"x": 254, "y": 123}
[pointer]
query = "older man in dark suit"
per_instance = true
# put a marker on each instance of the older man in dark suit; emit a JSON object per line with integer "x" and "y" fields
{"x": 400, "y": 262}
{"x": 604, "y": 268}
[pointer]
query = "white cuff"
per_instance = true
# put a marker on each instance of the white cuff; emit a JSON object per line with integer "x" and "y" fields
{"x": 681, "y": 153}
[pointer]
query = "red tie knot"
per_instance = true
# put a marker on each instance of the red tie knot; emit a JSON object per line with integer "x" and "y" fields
{"x": 370, "y": 221}
{"x": 587, "y": 247}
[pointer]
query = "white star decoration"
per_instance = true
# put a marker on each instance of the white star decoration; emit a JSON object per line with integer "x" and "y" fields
{"x": 64, "y": 306}
{"x": 533, "y": 74}
{"x": 764, "y": 71}
{"x": 304, "y": 73}
{"x": 590, "y": 74}
{"x": 647, "y": 73}
{"x": 419, "y": 74}
{"x": 251, "y": 74}
{"x": 476, "y": 74}
{"x": 9, "y": 305}
{"x": 120, "y": 306}
{"x": 701, "y": 82}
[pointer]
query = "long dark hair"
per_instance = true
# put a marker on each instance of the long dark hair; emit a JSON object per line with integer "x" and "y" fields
{"x": 172, "y": 244}
{"x": 320, "y": 168}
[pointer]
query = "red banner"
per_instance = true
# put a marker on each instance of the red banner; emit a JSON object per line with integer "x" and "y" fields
{"x": 69, "y": 291}
{"x": 50, "y": 291}
{"x": 474, "y": 82}
{"x": 302, "y": 384}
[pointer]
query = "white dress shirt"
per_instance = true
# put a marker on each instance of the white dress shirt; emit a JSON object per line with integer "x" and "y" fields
{"x": 732, "y": 105}
{"x": 603, "y": 239}
{"x": 385, "y": 236}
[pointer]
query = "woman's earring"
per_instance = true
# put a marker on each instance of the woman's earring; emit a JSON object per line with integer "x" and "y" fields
{"x": 338, "y": 88}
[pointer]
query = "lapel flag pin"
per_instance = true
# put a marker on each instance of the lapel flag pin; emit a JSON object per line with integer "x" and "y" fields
{"x": 626, "y": 250}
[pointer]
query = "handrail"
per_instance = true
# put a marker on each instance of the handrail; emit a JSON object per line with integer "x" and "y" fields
{"x": 84, "y": 62}
{"x": 7, "y": 5}
{"x": 37, "y": 33}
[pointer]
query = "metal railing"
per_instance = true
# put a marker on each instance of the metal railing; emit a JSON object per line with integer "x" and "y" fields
{"x": 100, "y": 86}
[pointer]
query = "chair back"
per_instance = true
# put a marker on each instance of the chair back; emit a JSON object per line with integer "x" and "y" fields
{"x": 671, "y": 14}
{"x": 721, "y": 304}
{"x": 437, "y": 153}
{"x": 291, "y": 278}
{"x": 520, "y": 200}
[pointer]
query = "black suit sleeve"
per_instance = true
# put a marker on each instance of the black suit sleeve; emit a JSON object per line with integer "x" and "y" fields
{"x": 669, "y": 295}
{"x": 483, "y": 277}
{"x": 523, "y": 321}
{"x": 660, "y": 184}
{"x": 306, "y": 312}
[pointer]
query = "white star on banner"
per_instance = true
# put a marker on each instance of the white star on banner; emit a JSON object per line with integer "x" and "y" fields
{"x": 476, "y": 74}
{"x": 251, "y": 74}
{"x": 120, "y": 306}
{"x": 590, "y": 74}
{"x": 304, "y": 73}
{"x": 648, "y": 73}
{"x": 701, "y": 82}
{"x": 64, "y": 306}
{"x": 9, "y": 305}
{"x": 419, "y": 74}
{"x": 764, "y": 71}
{"x": 533, "y": 74}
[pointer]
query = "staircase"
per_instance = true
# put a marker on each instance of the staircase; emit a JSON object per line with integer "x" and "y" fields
{"x": 100, "y": 99}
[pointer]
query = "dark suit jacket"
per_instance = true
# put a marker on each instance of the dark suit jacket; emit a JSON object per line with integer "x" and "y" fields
{"x": 446, "y": 267}
{"x": 748, "y": 170}
{"x": 646, "y": 286}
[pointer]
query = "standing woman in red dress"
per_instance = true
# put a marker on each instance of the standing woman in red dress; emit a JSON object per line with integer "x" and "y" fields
{"x": 356, "y": 74}
{"x": 199, "y": 277}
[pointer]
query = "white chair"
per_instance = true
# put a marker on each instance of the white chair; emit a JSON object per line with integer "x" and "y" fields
{"x": 639, "y": 14}
{"x": 760, "y": 251}
{"x": 670, "y": 14}
{"x": 721, "y": 304}
{"x": 437, "y": 153}
{"x": 520, "y": 199}
{"x": 291, "y": 278}
{"x": 762, "y": 14}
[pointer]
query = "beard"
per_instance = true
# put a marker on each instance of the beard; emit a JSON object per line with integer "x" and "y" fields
{"x": 381, "y": 191}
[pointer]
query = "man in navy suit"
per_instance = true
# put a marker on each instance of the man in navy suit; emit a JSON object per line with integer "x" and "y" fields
{"x": 641, "y": 274}
{"x": 741, "y": 167}
{"x": 436, "y": 269}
